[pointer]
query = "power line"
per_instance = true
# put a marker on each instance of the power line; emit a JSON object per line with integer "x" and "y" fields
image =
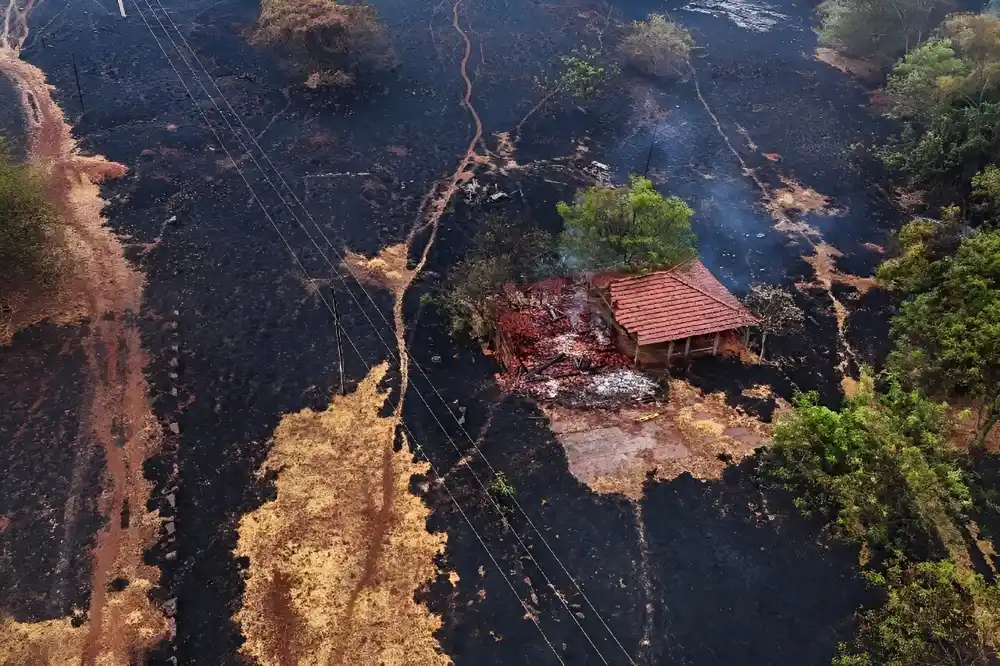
{"x": 351, "y": 341}
{"x": 340, "y": 258}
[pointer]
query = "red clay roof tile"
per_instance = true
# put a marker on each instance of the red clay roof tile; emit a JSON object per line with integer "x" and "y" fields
{"x": 675, "y": 304}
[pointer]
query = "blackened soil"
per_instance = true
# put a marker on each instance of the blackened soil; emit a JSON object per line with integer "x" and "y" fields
{"x": 51, "y": 474}
{"x": 253, "y": 342}
{"x": 718, "y": 567}
{"x": 868, "y": 326}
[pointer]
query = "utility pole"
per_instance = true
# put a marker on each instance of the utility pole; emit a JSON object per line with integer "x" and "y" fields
{"x": 79, "y": 90}
{"x": 340, "y": 345}
{"x": 649, "y": 156}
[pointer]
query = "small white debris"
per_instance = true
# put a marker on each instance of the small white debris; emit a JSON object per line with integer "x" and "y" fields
{"x": 600, "y": 165}
{"x": 623, "y": 383}
{"x": 174, "y": 428}
{"x": 497, "y": 196}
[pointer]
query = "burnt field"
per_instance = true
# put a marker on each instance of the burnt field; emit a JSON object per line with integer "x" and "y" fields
{"x": 234, "y": 321}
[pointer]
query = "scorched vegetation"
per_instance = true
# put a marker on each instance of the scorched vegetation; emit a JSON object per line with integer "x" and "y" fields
{"x": 27, "y": 227}
{"x": 331, "y": 39}
{"x": 658, "y": 47}
{"x": 502, "y": 254}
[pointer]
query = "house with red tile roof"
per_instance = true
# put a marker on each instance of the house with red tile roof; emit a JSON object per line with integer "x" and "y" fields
{"x": 678, "y": 312}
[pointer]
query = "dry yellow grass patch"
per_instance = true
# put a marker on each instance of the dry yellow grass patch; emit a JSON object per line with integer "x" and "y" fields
{"x": 49, "y": 643}
{"x": 388, "y": 269}
{"x": 704, "y": 425}
{"x": 336, "y": 558}
{"x": 794, "y": 196}
{"x": 826, "y": 271}
{"x": 130, "y": 625}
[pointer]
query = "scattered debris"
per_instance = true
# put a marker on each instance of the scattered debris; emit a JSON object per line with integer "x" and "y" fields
{"x": 598, "y": 171}
{"x": 624, "y": 383}
{"x": 555, "y": 346}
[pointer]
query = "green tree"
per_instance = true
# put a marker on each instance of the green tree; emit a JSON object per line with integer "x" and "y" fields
{"x": 949, "y": 89}
{"x": 879, "y": 468}
{"x": 585, "y": 73}
{"x": 986, "y": 188}
{"x": 935, "y": 614}
{"x": 924, "y": 244}
{"x": 880, "y": 29}
{"x": 956, "y": 144}
{"x": 502, "y": 253}
{"x": 631, "y": 228}
{"x": 27, "y": 225}
{"x": 947, "y": 334}
{"x": 922, "y": 80}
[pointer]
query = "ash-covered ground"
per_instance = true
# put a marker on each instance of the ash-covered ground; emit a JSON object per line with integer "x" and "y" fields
{"x": 695, "y": 573}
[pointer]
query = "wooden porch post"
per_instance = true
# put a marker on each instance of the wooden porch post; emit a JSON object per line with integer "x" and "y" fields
{"x": 687, "y": 346}
{"x": 670, "y": 351}
{"x": 715, "y": 344}
{"x": 746, "y": 336}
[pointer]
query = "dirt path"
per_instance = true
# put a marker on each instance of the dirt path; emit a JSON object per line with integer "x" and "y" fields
{"x": 103, "y": 289}
{"x": 433, "y": 209}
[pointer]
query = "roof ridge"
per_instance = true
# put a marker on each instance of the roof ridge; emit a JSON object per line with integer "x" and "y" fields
{"x": 715, "y": 298}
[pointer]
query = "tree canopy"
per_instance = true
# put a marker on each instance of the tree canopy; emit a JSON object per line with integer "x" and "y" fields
{"x": 947, "y": 332}
{"x": 630, "y": 228}
{"x": 949, "y": 90}
{"x": 936, "y": 614}
{"x": 502, "y": 253}
{"x": 875, "y": 28}
{"x": 878, "y": 468}
{"x": 658, "y": 46}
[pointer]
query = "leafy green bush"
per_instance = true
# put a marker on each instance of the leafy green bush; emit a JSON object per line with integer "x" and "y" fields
{"x": 949, "y": 89}
{"x": 925, "y": 244}
{"x": 27, "y": 225}
{"x": 585, "y": 73}
{"x": 947, "y": 333}
{"x": 501, "y": 254}
{"x": 632, "y": 228}
{"x": 986, "y": 188}
{"x": 935, "y": 615}
{"x": 957, "y": 143}
{"x": 658, "y": 47}
{"x": 879, "y": 468}
{"x": 923, "y": 80}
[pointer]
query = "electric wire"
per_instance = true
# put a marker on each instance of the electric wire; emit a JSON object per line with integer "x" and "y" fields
{"x": 410, "y": 437}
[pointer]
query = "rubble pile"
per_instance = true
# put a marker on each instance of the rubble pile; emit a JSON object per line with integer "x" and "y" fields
{"x": 556, "y": 347}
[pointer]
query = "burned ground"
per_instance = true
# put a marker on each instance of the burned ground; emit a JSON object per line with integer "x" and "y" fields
{"x": 690, "y": 570}
{"x": 48, "y": 509}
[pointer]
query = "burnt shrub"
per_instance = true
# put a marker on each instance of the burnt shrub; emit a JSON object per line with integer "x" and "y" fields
{"x": 658, "y": 47}
{"x": 326, "y": 34}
